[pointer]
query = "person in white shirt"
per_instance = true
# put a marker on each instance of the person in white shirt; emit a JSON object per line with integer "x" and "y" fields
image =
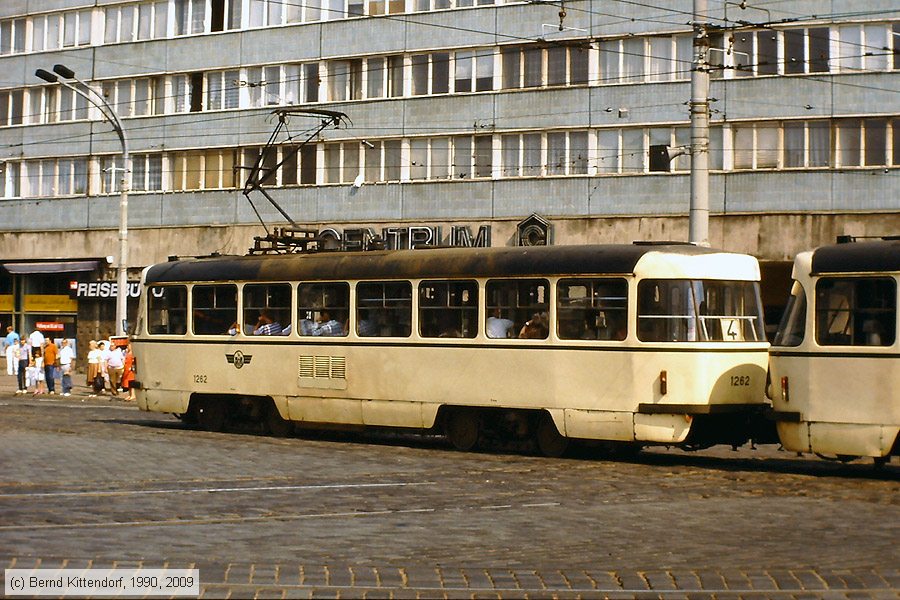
{"x": 36, "y": 339}
{"x": 497, "y": 327}
{"x": 115, "y": 367}
{"x": 66, "y": 364}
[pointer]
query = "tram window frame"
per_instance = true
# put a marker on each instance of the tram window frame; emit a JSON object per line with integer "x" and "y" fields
{"x": 313, "y": 299}
{"x": 865, "y": 313}
{"x": 530, "y": 319}
{"x": 273, "y": 299}
{"x": 213, "y": 315}
{"x": 386, "y": 306}
{"x": 792, "y": 329}
{"x": 703, "y": 319}
{"x": 595, "y": 315}
{"x": 166, "y": 318}
{"x": 448, "y": 308}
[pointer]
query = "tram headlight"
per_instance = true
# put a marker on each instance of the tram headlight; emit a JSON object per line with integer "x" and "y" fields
{"x": 785, "y": 389}
{"x": 663, "y": 383}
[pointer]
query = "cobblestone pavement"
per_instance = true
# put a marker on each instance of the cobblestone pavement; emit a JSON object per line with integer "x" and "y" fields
{"x": 90, "y": 482}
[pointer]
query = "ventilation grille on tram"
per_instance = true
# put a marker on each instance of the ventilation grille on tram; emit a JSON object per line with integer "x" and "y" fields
{"x": 322, "y": 367}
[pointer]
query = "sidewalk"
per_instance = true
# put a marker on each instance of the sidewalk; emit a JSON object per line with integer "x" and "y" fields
{"x": 8, "y": 386}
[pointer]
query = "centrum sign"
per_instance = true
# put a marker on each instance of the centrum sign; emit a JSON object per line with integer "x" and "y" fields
{"x": 101, "y": 289}
{"x": 405, "y": 238}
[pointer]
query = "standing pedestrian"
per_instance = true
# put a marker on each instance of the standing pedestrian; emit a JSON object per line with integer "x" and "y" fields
{"x": 94, "y": 369}
{"x": 12, "y": 342}
{"x": 66, "y": 365}
{"x": 23, "y": 356}
{"x": 51, "y": 359}
{"x": 128, "y": 376}
{"x": 36, "y": 339}
{"x": 37, "y": 363}
{"x": 115, "y": 368}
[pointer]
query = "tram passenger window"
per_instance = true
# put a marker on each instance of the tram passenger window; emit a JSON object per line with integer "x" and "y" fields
{"x": 167, "y": 310}
{"x": 792, "y": 329}
{"x": 448, "y": 309}
{"x": 856, "y": 311}
{"x": 323, "y": 309}
{"x": 592, "y": 309}
{"x": 213, "y": 309}
{"x": 524, "y": 302}
{"x": 384, "y": 309}
{"x": 267, "y": 309}
{"x": 699, "y": 310}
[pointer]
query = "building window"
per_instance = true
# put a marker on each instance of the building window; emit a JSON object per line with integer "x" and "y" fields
{"x": 807, "y": 144}
{"x": 474, "y": 70}
{"x": 190, "y": 16}
{"x": 385, "y": 7}
{"x": 146, "y": 172}
{"x": 12, "y": 36}
{"x": 806, "y": 50}
{"x": 342, "y": 162}
{"x": 430, "y": 73}
{"x": 223, "y": 90}
{"x": 381, "y": 160}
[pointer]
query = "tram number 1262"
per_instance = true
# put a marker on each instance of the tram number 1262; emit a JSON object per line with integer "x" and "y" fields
{"x": 740, "y": 380}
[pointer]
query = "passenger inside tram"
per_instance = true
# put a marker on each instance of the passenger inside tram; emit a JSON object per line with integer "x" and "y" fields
{"x": 266, "y": 325}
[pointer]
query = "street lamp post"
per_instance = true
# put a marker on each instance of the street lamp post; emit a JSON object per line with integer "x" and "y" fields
{"x": 62, "y": 74}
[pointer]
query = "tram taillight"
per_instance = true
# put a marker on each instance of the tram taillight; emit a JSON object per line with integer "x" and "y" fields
{"x": 785, "y": 389}
{"x": 663, "y": 383}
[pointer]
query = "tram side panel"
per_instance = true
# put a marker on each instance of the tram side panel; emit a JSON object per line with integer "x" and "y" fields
{"x": 590, "y": 393}
{"x": 842, "y": 404}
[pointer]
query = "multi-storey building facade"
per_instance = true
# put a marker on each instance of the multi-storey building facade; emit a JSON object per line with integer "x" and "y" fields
{"x": 474, "y": 113}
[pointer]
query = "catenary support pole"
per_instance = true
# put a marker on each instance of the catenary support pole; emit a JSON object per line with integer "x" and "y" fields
{"x": 699, "y": 212}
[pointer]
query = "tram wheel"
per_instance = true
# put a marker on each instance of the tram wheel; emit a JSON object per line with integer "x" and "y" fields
{"x": 276, "y": 424}
{"x": 211, "y": 415}
{"x": 549, "y": 441}
{"x": 463, "y": 429}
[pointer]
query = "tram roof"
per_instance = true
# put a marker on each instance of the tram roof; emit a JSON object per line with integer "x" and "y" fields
{"x": 857, "y": 257}
{"x": 410, "y": 264}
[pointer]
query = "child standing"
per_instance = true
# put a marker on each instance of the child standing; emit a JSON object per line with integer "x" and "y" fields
{"x": 39, "y": 372}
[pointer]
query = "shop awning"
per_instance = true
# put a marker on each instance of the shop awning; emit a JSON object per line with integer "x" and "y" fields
{"x": 61, "y": 266}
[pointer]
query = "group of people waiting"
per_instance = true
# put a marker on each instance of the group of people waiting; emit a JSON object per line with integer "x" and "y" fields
{"x": 38, "y": 362}
{"x": 110, "y": 367}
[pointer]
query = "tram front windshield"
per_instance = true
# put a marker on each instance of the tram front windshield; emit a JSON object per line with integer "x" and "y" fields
{"x": 699, "y": 310}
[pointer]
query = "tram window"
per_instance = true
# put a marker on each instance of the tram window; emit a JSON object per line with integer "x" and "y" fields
{"x": 213, "y": 309}
{"x": 592, "y": 309}
{"x": 323, "y": 309}
{"x": 167, "y": 310}
{"x": 267, "y": 309}
{"x": 384, "y": 309}
{"x": 518, "y": 308}
{"x": 699, "y": 310}
{"x": 792, "y": 328}
{"x": 856, "y": 311}
{"x": 448, "y": 309}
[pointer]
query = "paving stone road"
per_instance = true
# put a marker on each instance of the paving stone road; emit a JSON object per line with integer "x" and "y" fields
{"x": 95, "y": 483}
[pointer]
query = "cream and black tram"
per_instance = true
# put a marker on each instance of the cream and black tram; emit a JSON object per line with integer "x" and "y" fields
{"x": 835, "y": 362}
{"x": 639, "y": 344}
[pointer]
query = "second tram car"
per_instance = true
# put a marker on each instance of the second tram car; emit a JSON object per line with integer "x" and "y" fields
{"x": 635, "y": 344}
{"x": 835, "y": 361}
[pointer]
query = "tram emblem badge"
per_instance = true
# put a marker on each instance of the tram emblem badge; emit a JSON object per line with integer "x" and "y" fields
{"x": 238, "y": 359}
